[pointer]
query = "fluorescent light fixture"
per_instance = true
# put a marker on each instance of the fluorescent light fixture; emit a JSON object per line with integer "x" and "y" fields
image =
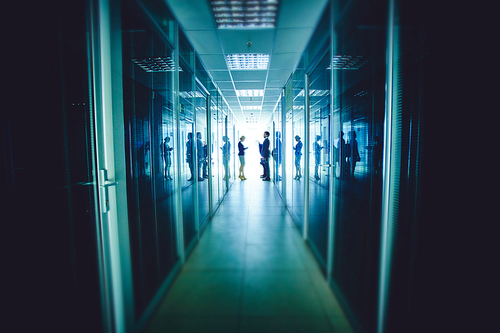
{"x": 348, "y": 62}
{"x": 245, "y": 13}
{"x": 249, "y": 93}
{"x": 255, "y": 107}
{"x": 156, "y": 64}
{"x": 247, "y": 61}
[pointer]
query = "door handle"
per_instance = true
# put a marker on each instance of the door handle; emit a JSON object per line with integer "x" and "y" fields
{"x": 104, "y": 197}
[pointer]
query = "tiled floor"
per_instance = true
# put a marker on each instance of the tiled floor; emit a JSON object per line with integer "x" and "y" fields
{"x": 250, "y": 272}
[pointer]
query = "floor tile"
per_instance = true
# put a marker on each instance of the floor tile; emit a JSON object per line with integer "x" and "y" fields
{"x": 267, "y": 210}
{"x": 264, "y": 221}
{"x": 268, "y": 235}
{"x": 317, "y": 324}
{"x": 280, "y": 293}
{"x": 210, "y": 256}
{"x": 204, "y": 293}
{"x": 251, "y": 271}
{"x": 274, "y": 256}
{"x": 193, "y": 324}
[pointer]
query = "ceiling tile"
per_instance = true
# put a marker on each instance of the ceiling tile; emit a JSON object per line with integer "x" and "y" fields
{"x": 214, "y": 61}
{"x": 235, "y": 41}
{"x": 279, "y": 74}
{"x": 249, "y": 75}
{"x": 284, "y": 61}
{"x": 220, "y": 75}
{"x": 254, "y": 101}
{"x": 273, "y": 91}
{"x": 192, "y": 14}
{"x": 299, "y": 36}
{"x": 225, "y": 85}
{"x": 300, "y": 13}
{"x": 276, "y": 84}
{"x": 204, "y": 41}
{"x": 249, "y": 85}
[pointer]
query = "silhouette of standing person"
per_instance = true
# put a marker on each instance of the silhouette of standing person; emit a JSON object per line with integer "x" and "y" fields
{"x": 167, "y": 157}
{"x": 298, "y": 156}
{"x": 241, "y": 154}
{"x": 317, "y": 156}
{"x": 200, "y": 154}
{"x": 205, "y": 160}
{"x": 353, "y": 152}
{"x": 277, "y": 154}
{"x": 265, "y": 157}
{"x": 143, "y": 159}
{"x": 261, "y": 161}
{"x": 226, "y": 156}
{"x": 340, "y": 157}
{"x": 189, "y": 155}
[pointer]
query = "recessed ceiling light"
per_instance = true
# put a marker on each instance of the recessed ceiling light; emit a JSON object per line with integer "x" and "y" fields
{"x": 254, "y": 107}
{"x": 247, "y": 61}
{"x": 245, "y": 13}
{"x": 156, "y": 64}
{"x": 249, "y": 93}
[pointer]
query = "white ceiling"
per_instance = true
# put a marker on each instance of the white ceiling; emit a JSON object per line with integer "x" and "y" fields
{"x": 285, "y": 43}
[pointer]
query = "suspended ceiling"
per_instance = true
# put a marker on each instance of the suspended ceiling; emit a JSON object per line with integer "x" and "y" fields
{"x": 295, "y": 23}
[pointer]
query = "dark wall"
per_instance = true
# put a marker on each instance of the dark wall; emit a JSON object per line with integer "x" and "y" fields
{"x": 46, "y": 158}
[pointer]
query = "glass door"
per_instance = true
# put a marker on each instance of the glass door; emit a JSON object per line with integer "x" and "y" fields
{"x": 201, "y": 103}
{"x": 189, "y": 172}
{"x": 319, "y": 157}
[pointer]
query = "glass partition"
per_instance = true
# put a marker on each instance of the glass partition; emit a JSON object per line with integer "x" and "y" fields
{"x": 358, "y": 65}
{"x": 277, "y": 153}
{"x": 213, "y": 150}
{"x": 289, "y": 154}
{"x": 202, "y": 155}
{"x": 319, "y": 157}
{"x": 188, "y": 144}
{"x": 150, "y": 142}
{"x": 298, "y": 139}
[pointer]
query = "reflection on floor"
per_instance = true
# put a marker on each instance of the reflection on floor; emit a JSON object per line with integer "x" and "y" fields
{"x": 250, "y": 272}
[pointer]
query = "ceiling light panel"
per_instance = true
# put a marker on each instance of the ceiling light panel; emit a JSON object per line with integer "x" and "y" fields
{"x": 250, "y": 93}
{"x": 245, "y": 13}
{"x": 252, "y": 107}
{"x": 237, "y": 61}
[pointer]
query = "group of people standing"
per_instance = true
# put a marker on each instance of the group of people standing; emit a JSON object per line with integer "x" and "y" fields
{"x": 346, "y": 155}
{"x": 264, "y": 153}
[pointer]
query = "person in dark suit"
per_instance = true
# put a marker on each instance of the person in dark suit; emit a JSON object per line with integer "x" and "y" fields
{"x": 189, "y": 155}
{"x": 261, "y": 161}
{"x": 200, "y": 154}
{"x": 167, "y": 157}
{"x": 265, "y": 157}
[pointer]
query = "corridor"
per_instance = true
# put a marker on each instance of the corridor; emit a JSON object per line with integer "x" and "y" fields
{"x": 250, "y": 272}
{"x": 128, "y": 126}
